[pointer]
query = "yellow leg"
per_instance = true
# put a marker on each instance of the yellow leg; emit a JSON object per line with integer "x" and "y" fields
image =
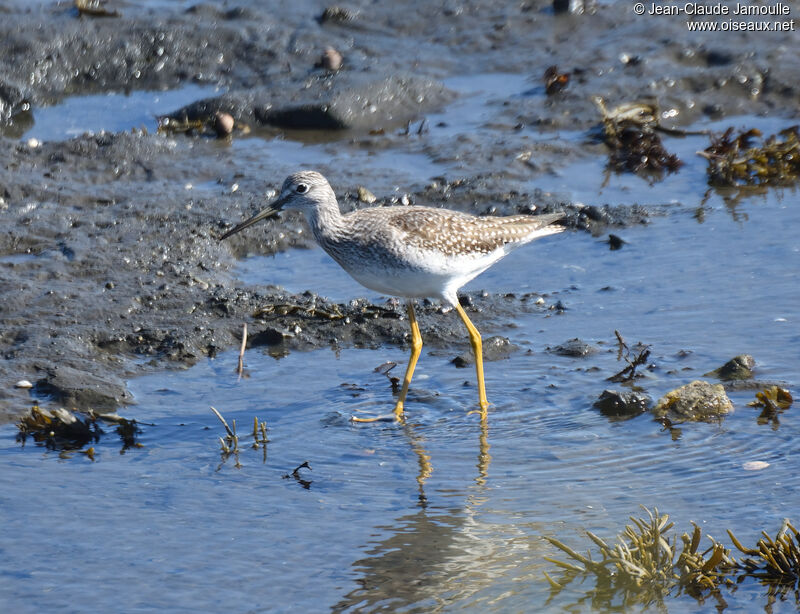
{"x": 477, "y": 349}
{"x": 416, "y": 349}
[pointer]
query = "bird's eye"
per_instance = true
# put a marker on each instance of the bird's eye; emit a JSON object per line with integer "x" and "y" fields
{"x": 301, "y": 188}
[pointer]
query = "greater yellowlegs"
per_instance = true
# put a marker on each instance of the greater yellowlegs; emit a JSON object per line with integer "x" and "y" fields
{"x": 409, "y": 252}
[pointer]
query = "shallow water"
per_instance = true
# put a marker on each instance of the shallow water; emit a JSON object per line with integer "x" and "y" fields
{"x": 437, "y": 514}
{"x": 112, "y": 112}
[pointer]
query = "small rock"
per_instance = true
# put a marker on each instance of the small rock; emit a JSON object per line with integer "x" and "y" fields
{"x": 365, "y": 196}
{"x": 615, "y": 404}
{"x": 269, "y": 336}
{"x": 331, "y": 59}
{"x": 615, "y": 242}
{"x": 23, "y": 383}
{"x": 337, "y": 14}
{"x": 696, "y": 401}
{"x": 494, "y": 348}
{"x": 223, "y": 124}
{"x": 738, "y": 367}
{"x": 567, "y": 6}
{"x": 82, "y": 390}
{"x": 575, "y": 348}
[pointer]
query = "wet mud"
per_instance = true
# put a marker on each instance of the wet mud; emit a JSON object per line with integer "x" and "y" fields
{"x": 111, "y": 264}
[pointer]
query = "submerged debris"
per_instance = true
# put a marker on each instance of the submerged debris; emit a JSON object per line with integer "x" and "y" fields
{"x": 644, "y": 565}
{"x": 220, "y": 124}
{"x": 633, "y": 360}
{"x": 299, "y": 478}
{"x": 63, "y": 430}
{"x": 629, "y": 130}
{"x": 554, "y": 81}
{"x": 696, "y": 401}
{"x": 733, "y": 159}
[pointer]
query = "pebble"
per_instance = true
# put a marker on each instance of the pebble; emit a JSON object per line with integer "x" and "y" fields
{"x": 223, "y": 124}
{"x": 23, "y": 383}
{"x": 365, "y": 196}
{"x": 331, "y": 59}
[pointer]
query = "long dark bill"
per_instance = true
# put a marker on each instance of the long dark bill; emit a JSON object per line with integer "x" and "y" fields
{"x": 269, "y": 211}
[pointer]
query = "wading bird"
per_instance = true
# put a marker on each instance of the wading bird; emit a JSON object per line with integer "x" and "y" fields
{"x": 408, "y": 252}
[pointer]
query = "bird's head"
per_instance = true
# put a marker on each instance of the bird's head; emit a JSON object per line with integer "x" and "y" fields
{"x": 304, "y": 191}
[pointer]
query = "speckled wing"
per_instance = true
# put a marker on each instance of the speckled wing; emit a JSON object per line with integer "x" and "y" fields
{"x": 453, "y": 233}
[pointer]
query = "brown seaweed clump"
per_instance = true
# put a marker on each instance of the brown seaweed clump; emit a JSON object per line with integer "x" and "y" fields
{"x": 734, "y": 160}
{"x": 629, "y": 130}
{"x": 644, "y": 566}
{"x": 772, "y": 401}
{"x": 775, "y": 560}
{"x": 64, "y": 431}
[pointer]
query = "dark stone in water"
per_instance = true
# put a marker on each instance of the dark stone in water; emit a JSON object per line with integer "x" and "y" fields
{"x": 575, "y": 348}
{"x": 615, "y": 242}
{"x": 614, "y": 404}
{"x": 737, "y": 368}
{"x": 494, "y": 348}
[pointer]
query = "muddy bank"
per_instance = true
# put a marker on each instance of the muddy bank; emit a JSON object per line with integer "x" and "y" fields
{"x": 109, "y": 255}
{"x": 609, "y": 51}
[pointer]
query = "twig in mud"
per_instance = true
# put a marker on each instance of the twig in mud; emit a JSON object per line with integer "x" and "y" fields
{"x": 623, "y": 353}
{"x": 224, "y": 423}
{"x": 240, "y": 366}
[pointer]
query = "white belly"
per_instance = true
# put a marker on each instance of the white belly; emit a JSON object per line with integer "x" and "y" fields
{"x": 433, "y": 277}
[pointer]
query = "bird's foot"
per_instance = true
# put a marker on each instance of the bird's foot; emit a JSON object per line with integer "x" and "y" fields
{"x": 396, "y": 416}
{"x": 483, "y": 412}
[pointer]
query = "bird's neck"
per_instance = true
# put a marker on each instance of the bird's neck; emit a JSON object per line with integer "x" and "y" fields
{"x": 327, "y": 223}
